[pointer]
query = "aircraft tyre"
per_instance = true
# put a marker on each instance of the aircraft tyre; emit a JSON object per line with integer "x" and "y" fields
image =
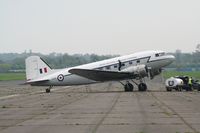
{"x": 188, "y": 88}
{"x": 128, "y": 87}
{"x": 48, "y": 90}
{"x": 142, "y": 87}
{"x": 168, "y": 89}
{"x": 179, "y": 88}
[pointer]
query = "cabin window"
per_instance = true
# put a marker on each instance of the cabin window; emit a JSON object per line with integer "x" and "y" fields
{"x": 157, "y": 55}
{"x": 115, "y": 66}
{"x": 123, "y": 64}
{"x": 101, "y": 68}
{"x": 108, "y": 67}
{"x": 138, "y": 61}
{"x": 130, "y": 62}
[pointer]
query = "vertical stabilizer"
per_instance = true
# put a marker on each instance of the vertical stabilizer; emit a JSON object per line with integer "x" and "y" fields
{"x": 36, "y": 67}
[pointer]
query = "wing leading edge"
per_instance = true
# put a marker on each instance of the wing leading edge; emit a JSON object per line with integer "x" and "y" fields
{"x": 99, "y": 75}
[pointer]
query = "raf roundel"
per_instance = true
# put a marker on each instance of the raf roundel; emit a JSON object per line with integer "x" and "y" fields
{"x": 60, "y": 77}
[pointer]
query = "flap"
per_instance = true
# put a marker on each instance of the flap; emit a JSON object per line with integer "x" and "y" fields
{"x": 99, "y": 75}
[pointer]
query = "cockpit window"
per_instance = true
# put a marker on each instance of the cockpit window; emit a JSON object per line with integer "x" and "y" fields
{"x": 159, "y": 54}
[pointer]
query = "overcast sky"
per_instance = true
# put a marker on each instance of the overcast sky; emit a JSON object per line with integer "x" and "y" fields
{"x": 99, "y": 26}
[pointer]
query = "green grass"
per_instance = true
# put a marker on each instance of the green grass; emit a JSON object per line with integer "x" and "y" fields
{"x": 195, "y": 74}
{"x": 12, "y": 76}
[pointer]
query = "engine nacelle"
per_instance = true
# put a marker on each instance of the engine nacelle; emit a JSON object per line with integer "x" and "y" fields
{"x": 153, "y": 73}
{"x": 141, "y": 70}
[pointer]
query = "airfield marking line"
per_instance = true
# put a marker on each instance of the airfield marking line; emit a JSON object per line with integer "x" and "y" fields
{"x": 76, "y": 99}
{"x": 16, "y": 95}
{"x": 115, "y": 100}
{"x": 176, "y": 113}
{"x": 9, "y": 96}
{"x": 142, "y": 109}
{"x": 187, "y": 96}
{"x": 190, "y": 96}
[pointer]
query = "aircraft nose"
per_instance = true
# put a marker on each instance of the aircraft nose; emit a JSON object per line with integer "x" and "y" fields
{"x": 171, "y": 58}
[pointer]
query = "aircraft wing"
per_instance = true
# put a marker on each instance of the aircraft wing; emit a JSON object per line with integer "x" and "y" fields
{"x": 99, "y": 75}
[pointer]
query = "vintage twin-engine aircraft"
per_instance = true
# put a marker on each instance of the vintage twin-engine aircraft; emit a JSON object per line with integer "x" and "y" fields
{"x": 123, "y": 69}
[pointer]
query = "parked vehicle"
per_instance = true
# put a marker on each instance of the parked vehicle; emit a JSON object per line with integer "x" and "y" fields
{"x": 180, "y": 83}
{"x": 196, "y": 85}
{"x": 185, "y": 86}
{"x": 174, "y": 83}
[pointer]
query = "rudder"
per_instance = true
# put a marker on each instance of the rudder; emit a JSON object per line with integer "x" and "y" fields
{"x": 36, "y": 67}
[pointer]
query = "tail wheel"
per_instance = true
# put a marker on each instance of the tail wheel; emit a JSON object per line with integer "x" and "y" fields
{"x": 142, "y": 87}
{"x": 48, "y": 90}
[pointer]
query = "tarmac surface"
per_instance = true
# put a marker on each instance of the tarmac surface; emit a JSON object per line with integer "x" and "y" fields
{"x": 98, "y": 108}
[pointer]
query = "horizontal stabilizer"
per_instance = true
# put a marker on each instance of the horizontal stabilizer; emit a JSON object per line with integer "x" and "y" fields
{"x": 99, "y": 75}
{"x": 36, "y": 82}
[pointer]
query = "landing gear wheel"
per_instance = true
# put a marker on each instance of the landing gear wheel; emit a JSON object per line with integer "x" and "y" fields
{"x": 128, "y": 87}
{"x": 179, "y": 88}
{"x": 48, "y": 90}
{"x": 168, "y": 89}
{"x": 188, "y": 88}
{"x": 142, "y": 87}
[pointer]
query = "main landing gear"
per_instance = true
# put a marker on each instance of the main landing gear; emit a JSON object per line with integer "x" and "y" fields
{"x": 142, "y": 87}
{"x": 48, "y": 90}
{"x": 128, "y": 87}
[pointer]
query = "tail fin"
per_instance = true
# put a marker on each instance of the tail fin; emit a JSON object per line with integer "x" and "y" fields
{"x": 36, "y": 67}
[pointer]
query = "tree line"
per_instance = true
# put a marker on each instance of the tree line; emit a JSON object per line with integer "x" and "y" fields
{"x": 186, "y": 61}
{"x": 16, "y": 61}
{"x": 10, "y": 62}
